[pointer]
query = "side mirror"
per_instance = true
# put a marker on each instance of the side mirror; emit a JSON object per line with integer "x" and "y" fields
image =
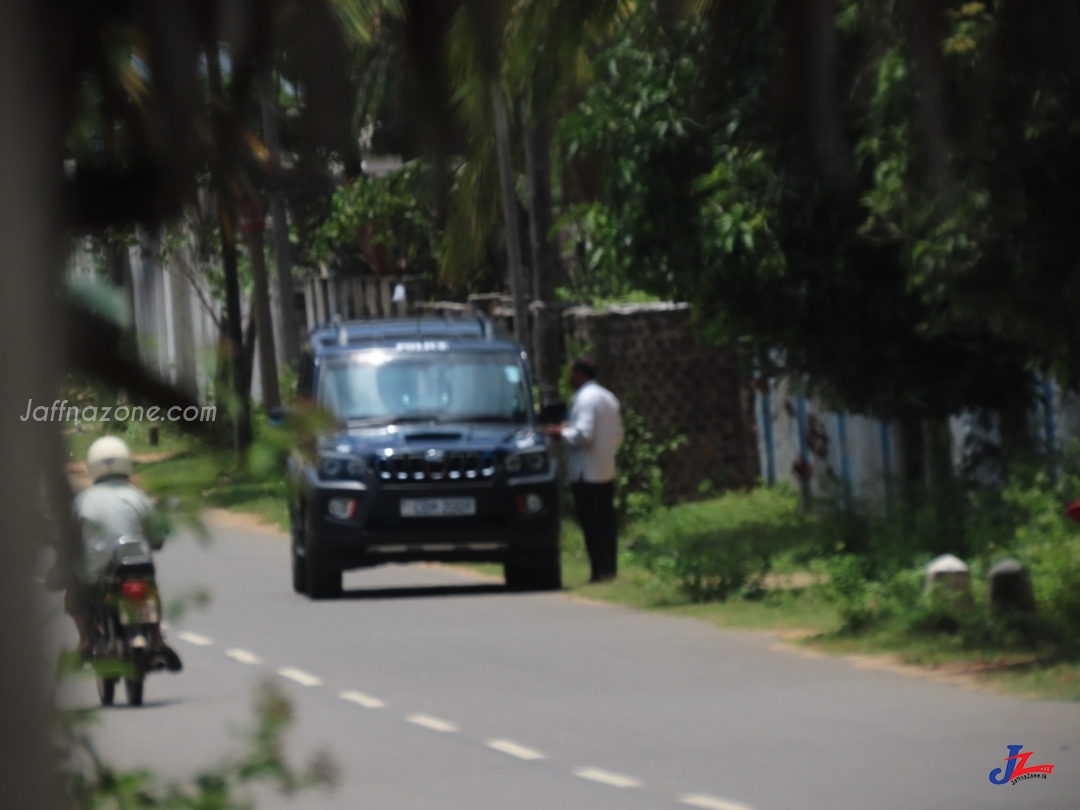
{"x": 277, "y": 416}
{"x": 552, "y": 413}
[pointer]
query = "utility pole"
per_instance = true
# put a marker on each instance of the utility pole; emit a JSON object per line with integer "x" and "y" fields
{"x": 509, "y": 201}
{"x": 288, "y": 339}
{"x": 234, "y": 338}
{"x": 547, "y": 320}
{"x": 253, "y": 223}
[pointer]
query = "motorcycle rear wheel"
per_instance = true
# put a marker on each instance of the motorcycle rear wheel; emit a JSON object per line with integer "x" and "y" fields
{"x": 106, "y": 688}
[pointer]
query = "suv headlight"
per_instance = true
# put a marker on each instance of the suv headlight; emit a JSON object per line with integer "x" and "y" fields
{"x": 339, "y": 468}
{"x": 535, "y": 461}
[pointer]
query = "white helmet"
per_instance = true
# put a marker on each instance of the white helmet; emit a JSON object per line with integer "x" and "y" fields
{"x": 108, "y": 456}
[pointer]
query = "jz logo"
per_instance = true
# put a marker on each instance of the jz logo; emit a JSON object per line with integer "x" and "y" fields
{"x": 1016, "y": 768}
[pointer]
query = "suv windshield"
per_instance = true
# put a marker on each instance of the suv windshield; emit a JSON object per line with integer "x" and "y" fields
{"x": 382, "y": 386}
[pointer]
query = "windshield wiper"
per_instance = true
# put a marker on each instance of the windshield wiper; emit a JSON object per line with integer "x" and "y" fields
{"x": 404, "y": 419}
{"x": 484, "y": 417}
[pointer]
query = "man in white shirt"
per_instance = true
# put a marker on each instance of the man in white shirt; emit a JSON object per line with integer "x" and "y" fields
{"x": 593, "y": 435}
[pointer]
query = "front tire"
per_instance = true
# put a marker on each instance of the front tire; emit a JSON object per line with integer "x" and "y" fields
{"x": 323, "y": 578}
{"x": 299, "y": 572}
{"x": 537, "y": 574}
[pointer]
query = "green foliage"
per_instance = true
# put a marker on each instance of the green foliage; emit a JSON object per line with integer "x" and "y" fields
{"x": 93, "y": 783}
{"x": 862, "y": 603}
{"x": 639, "y": 130}
{"x": 715, "y": 549}
{"x": 639, "y": 478}
{"x": 875, "y": 587}
{"x": 385, "y": 224}
{"x": 883, "y": 283}
{"x": 869, "y": 566}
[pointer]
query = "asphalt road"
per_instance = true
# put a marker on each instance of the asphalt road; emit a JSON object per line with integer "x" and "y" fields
{"x": 435, "y": 690}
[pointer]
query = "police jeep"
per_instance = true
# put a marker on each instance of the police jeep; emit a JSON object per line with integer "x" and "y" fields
{"x": 436, "y": 457}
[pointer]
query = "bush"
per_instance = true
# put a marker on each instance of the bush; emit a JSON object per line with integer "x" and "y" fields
{"x": 864, "y": 603}
{"x": 1048, "y": 543}
{"x": 873, "y": 576}
{"x": 717, "y": 548}
{"x": 639, "y": 479}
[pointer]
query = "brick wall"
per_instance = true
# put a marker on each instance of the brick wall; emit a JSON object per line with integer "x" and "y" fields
{"x": 649, "y": 356}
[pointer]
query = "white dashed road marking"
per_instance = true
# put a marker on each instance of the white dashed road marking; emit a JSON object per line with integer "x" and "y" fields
{"x": 197, "y": 639}
{"x": 607, "y": 777}
{"x": 367, "y": 701}
{"x": 514, "y": 750}
{"x": 434, "y": 723}
{"x": 711, "y": 802}
{"x": 243, "y": 656}
{"x": 437, "y": 724}
{"x": 301, "y": 677}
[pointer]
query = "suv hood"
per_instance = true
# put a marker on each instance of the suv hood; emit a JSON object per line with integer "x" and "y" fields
{"x": 425, "y": 436}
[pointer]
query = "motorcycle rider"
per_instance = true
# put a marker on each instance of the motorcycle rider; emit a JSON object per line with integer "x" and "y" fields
{"x": 111, "y": 508}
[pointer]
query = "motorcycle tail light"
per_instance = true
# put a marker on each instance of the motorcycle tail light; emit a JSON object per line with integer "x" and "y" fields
{"x": 135, "y": 589}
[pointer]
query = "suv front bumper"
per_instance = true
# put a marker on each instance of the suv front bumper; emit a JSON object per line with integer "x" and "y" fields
{"x": 378, "y": 533}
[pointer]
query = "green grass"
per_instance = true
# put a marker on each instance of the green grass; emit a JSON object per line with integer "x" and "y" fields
{"x": 136, "y": 434}
{"x": 638, "y": 587}
{"x": 803, "y": 615}
{"x": 202, "y": 480}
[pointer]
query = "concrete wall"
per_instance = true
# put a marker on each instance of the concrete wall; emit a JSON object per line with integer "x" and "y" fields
{"x": 649, "y": 357}
{"x": 819, "y": 451}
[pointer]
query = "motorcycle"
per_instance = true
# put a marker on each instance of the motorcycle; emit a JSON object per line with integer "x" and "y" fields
{"x": 126, "y": 622}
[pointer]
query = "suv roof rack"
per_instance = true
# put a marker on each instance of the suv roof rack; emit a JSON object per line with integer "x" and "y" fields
{"x": 342, "y": 333}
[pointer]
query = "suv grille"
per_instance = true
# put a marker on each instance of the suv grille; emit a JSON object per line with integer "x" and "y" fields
{"x": 436, "y": 466}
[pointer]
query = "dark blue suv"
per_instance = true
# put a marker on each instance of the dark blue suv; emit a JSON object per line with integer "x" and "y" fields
{"x": 436, "y": 456}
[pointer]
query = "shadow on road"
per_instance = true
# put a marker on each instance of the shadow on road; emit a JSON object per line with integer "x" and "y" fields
{"x": 149, "y": 704}
{"x": 425, "y": 591}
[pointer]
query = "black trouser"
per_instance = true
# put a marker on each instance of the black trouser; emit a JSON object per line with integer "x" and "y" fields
{"x": 595, "y": 504}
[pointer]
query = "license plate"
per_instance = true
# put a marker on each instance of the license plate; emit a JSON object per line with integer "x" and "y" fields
{"x": 145, "y": 612}
{"x": 438, "y": 507}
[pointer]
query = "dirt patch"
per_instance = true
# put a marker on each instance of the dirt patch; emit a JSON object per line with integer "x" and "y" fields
{"x": 80, "y": 478}
{"x": 790, "y": 582}
{"x": 965, "y": 674}
{"x": 241, "y": 521}
{"x": 150, "y": 458}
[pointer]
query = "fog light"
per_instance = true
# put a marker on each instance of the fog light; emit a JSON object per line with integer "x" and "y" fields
{"x": 533, "y": 503}
{"x": 341, "y": 508}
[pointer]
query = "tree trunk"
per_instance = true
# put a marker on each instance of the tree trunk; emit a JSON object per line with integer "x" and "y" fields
{"x": 1015, "y": 431}
{"x": 184, "y": 332}
{"x": 121, "y": 277}
{"x": 912, "y": 459}
{"x": 939, "y": 461}
{"x": 152, "y": 348}
{"x": 547, "y": 325}
{"x": 271, "y": 394}
{"x": 510, "y": 211}
{"x": 251, "y": 334}
{"x": 288, "y": 335}
{"x": 30, "y": 331}
{"x": 227, "y": 220}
